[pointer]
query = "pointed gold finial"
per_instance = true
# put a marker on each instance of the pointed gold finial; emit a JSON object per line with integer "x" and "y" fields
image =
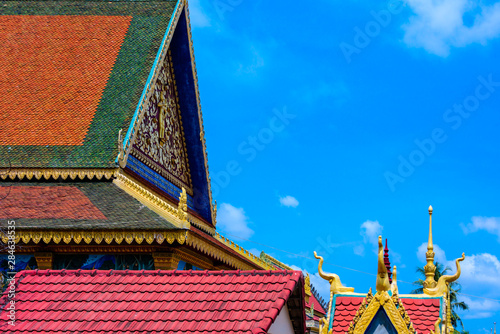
{"x": 382, "y": 275}
{"x": 394, "y": 284}
{"x": 430, "y": 268}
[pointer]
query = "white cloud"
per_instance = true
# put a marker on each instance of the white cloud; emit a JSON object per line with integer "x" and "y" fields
{"x": 439, "y": 25}
{"x": 439, "y": 256}
{"x": 197, "y": 17}
{"x": 479, "y": 308}
{"x": 252, "y": 65}
{"x": 370, "y": 230}
{"x": 480, "y": 271}
{"x": 489, "y": 224}
{"x": 289, "y": 201}
{"x": 233, "y": 221}
{"x": 359, "y": 250}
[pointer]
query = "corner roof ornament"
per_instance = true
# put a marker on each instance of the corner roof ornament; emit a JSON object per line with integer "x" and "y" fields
{"x": 335, "y": 287}
{"x": 431, "y": 287}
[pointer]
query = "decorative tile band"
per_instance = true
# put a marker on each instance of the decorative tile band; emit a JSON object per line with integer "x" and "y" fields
{"x": 154, "y": 178}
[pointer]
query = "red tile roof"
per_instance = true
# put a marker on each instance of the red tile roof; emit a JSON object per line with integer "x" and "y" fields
{"x": 423, "y": 312}
{"x": 345, "y": 310}
{"x": 93, "y": 301}
{"x": 53, "y": 75}
{"x": 317, "y": 304}
{"x": 44, "y": 202}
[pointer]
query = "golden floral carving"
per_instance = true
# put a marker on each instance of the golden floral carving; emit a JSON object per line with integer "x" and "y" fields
{"x": 118, "y": 237}
{"x": 149, "y": 237}
{"x": 46, "y": 236}
{"x": 129, "y": 238}
{"x": 108, "y": 237}
{"x": 55, "y": 173}
{"x": 67, "y": 238}
{"x": 160, "y": 137}
{"x": 87, "y": 237}
{"x": 141, "y": 237}
{"x": 56, "y": 237}
{"x": 77, "y": 238}
{"x": 98, "y": 237}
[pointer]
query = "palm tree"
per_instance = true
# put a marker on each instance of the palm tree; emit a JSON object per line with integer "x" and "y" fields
{"x": 455, "y": 289}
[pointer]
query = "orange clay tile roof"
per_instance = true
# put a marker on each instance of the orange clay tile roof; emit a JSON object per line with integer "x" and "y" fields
{"x": 74, "y": 205}
{"x": 53, "y": 70}
{"x": 71, "y": 75}
{"x": 46, "y": 202}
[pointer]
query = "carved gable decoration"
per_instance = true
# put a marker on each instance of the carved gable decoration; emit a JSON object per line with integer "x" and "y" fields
{"x": 371, "y": 310}
{"x": 160, "y": 142}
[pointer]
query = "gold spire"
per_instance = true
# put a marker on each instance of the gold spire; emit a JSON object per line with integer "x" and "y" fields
{"x": 430, "y": 268}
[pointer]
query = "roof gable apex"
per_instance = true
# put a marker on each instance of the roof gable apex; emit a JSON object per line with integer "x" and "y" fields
{"x": 164, "y": 146}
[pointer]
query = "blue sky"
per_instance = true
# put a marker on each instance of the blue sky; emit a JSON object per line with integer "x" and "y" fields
{"x": 331, "y": 122}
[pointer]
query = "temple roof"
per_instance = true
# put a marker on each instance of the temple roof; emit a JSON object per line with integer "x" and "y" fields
{"x": 75, "y": 206}
{"x": 313, "y": 299}
{"x": 72, "y": 74}
{"x": 423, "y": 311}
{"x": 51, "y": 301}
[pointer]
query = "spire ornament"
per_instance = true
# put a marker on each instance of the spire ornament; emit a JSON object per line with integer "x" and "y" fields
{"x": 382, "y": 275}
{"x": 430, "y": 268}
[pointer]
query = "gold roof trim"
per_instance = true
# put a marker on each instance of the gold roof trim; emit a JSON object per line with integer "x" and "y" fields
{"x": 240, "y": 250}
{"x": 274, "y": 262}
{"x": 220, "y": 254}
{"x": 392, "y": 306}
{"x": 56, "y": 173}
{"x": 98, "y": 237}
{"x": 177, "y": 216}
{"x": 161, "y": 206}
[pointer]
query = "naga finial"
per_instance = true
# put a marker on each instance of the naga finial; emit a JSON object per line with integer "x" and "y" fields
{"x": 441, "y": 286}
{"x": 335, "y": 287}
{"x": 430, "y": 268}
{"x": 382, "y": 275}
{"x": 335, "y": 284}
{"x": 394, "y": 284}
